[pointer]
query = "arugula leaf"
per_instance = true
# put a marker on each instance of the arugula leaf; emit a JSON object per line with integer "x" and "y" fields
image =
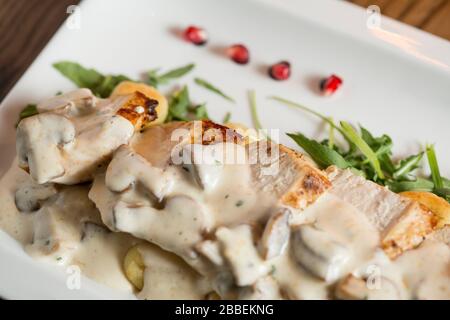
{"x": 370, "y": 156}
{"x": 299, "y": 106}
{"x": 367, "y": 136}
{"x": 227, "y": 117}
{"x": 82, "y": 77}
{"x": 407, "y": 165}
{"x": 155, "y": 80}
{"x": 254, "y": 112}
{"x": 179, "y": 106}
{"x": 106, "y": 87}
{"x": 432, "y": 161}
{"x": 28, "y": 111}
{"x": 446, "y": 182}
{"x": 99, "y": 84}
{"x": 417, "y": 185}
{"x": 321, "y": 154}
{"x": 205, "y": 84}
{"x": 363, "y": 147}
{"x": 443, "y": 192}
{"x": 331, "y": 134}
{"x": 200, "y": 112}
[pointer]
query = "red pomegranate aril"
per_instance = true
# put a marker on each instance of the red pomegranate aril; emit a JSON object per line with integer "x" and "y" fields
{"x": 329, "y": 85}
{"x": 239, "y": 53}
{"x": 280, "y": 70}
{"x": 196, "y": 35}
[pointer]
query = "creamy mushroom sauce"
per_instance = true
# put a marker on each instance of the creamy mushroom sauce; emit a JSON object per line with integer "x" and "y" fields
{"x": 64, "y": 228}
{"x": 213, "y": 215}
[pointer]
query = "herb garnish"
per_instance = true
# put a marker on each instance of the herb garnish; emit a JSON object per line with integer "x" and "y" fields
{"x": 100, "y": 85}
{"x": 226, "y": 118}
{"x": 205, "y": 84}
{"x": 155, "y": 79}
{"x": 255, "y": 118}
{"x": 371, "y": 157}
{"x": 28, "y": 111}
{"x": 181, "y": 108}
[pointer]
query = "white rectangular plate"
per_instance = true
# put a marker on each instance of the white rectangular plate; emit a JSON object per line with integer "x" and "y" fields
{"x": 396, "y": 81}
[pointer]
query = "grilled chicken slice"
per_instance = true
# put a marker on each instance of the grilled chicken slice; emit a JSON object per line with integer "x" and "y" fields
{"x": 441, "y": 235}
{"x": 402, "y": 223}
{"x": 76, "y": 133}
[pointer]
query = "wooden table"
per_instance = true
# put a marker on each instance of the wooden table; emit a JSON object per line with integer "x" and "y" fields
{"x": 27, "y": 25}
{"x": 430, "y": 15}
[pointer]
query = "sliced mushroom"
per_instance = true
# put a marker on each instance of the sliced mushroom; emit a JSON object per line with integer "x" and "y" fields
{"x": 351, "y": 288}
{"x": 39, "y": 142}
{"x": 90, "y": 229}
{"x": 265, "y": 288}
{"x": 211, "y": 250}
{"x": 176, "y": 228}
{"x": 121, "y": 175}
{"x": 207, "y": 162}
{"x": 59, "y": 225}
{"x": 75, "y": 102}
{"x": 319, "y": 253}
{"x": 276, "y": 234}
{"x": 241, "y": 254}
{"x": 29, "y": 196}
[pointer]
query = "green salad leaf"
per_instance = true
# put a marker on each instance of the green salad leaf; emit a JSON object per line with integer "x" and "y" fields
{"x": 321, "y": 154}
{"x": 182, "y": 109}
{"x": 253, "y": 110}
{"x": 205, "y": 84}
{"x": 227, "y": 117}
{"x": 155, "y": 79}
{"x": 100, "y": 85}
{"x": 434, "y": 167}
{"x": 353, "y": 136}
{"x": 28, "y": 111}
{"x": 371, "y": 157}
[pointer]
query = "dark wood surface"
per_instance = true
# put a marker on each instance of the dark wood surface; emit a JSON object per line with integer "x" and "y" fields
{"x": 27, "y": 25}
{"x": 25, "y": 28}
{"x": 430, "y": 15}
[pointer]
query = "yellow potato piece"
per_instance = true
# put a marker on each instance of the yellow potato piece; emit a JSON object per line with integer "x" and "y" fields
{"x": 134, "y": 267}
{"x": 129, "y": 87}
{"x": 250, "y": 135}
{"x": 212, "y": 296}
{"x": 437, "y": 205}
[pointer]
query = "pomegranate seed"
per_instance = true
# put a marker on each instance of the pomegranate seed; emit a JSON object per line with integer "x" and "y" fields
{"x": 196, "y": 35}
{"x": 280, "y": 70}
{"x": 329, "y": 85}
{"x": 239, "y": 53}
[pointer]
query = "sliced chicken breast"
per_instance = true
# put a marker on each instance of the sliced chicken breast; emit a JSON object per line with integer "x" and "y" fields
{"x": 402, "y": 223}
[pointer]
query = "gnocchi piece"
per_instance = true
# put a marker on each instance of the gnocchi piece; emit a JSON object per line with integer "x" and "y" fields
{"x": 134, "y": 267}
{"x": 437, "y": 205}
{"x": 129, "y": 87}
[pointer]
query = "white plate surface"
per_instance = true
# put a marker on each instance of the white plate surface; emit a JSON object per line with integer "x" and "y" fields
{"x": 396, "y": 81}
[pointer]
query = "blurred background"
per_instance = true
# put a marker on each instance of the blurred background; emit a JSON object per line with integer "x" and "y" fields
{"x": 27, "y": 25}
